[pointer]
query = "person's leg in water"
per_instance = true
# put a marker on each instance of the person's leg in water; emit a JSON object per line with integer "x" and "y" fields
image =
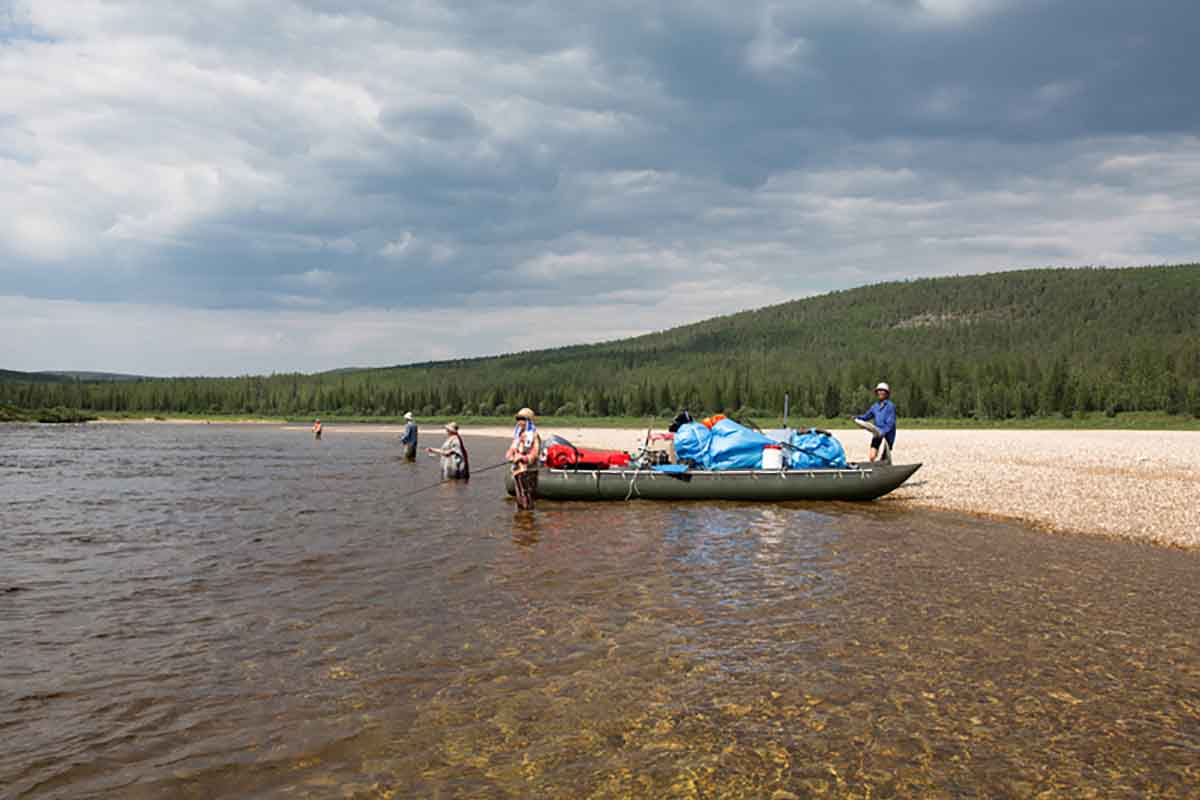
{"x": 526, "y": 484}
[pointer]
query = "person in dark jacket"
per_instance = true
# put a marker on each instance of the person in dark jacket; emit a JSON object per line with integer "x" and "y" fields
{"x": 409, "y": 439}
{"x": 883, "y": 415}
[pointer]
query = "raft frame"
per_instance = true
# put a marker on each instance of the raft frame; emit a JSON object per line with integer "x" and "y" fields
{"x": 859, "y": 482}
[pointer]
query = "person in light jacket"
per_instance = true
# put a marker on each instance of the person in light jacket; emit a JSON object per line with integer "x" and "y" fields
{"x": 455, "y": 463}
{"x": 523, "y": 454}
{"x": 883, "y": 415}
{"x": 409, "y": 439}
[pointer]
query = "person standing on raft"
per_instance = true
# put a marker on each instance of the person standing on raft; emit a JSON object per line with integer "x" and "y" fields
{"x": 409, "y": 439}
{"x": 316, "y": 429}
{"x": 455, "y": 463}
{"x": 523, "y": 454}
{"x": 883, "y": 415}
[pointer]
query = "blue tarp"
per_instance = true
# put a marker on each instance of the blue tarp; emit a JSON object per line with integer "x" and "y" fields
{"x": 691, "y": 444}
{"x": 814, "y": 450}
{"x": 732, "y": 446}
{"x": 727, "y": 446}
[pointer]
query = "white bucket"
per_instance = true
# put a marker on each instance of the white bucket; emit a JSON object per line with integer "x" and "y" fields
{"x": 772, "y": 457}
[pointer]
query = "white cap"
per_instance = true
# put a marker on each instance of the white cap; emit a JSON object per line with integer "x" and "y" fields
{"x": 883, "y": 386}
{"x": 408, "y": 415}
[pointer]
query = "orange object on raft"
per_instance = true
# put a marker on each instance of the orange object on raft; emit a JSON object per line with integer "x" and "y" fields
{"x": 561, "y": 456}
{"x": 713, "y": 420}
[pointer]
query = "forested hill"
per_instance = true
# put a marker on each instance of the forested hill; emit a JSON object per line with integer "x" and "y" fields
{"x": 64, "y": 377}
{"x": 31, "y": 377}
{"x": 1034, "y": 342}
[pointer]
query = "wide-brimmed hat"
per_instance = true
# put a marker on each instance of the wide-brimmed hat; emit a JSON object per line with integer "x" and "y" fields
{"x": 408, "y": 415}
{"x": 526, "y": 413}
{"x": 452, "y": 427}
{"x": 883, "y": 387}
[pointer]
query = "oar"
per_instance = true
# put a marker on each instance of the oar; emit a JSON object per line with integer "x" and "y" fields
{"x": 447, "y": 480}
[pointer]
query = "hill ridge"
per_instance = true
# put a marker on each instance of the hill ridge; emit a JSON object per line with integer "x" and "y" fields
{"x": 997, "y": 345}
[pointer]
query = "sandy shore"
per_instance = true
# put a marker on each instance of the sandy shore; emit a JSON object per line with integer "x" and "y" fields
{"x": 1140, "y": 485}
{"x": 178, "y": 421}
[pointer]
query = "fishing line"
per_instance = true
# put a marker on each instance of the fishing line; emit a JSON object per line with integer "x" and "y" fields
{"x": 448, "y": 480}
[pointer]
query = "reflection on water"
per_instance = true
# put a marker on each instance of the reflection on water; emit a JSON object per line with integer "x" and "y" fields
{"x": 525, "y": 527}
{"x": 214, "y": 611}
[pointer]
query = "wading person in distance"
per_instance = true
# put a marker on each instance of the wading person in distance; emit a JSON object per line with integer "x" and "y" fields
{"x": 409, "y": 439}
{"x": 455, "y": 464}
{"x": 883, "y": 415}
{"x": 523, "y": 455}
{"x": 316, "y": 429}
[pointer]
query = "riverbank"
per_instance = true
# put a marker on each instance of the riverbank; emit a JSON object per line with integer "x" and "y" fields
{"x": 1139, "y": 485}
{"x": 186, "y": 421}
{"x": 46, "y": 416}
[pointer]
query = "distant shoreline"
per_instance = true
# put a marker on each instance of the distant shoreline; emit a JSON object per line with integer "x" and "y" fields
{"x": 183, "y": 421}
{"x": 1126, "y": 421}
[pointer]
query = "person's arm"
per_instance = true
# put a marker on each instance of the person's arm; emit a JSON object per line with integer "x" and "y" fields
{"x": 868, "y": 415}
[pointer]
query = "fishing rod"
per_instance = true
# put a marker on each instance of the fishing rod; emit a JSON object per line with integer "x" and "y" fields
{"x": 448, "y": 480}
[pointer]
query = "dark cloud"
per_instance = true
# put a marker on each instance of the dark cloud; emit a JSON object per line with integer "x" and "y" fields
{"x": 330, "y": 156}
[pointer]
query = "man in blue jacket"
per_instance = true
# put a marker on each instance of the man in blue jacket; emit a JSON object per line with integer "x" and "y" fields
{"x": 409, "y": 439}
{"x": 883, "y": 416}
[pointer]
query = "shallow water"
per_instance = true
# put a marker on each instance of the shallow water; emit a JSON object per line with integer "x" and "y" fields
{"x": 204, "y": 611}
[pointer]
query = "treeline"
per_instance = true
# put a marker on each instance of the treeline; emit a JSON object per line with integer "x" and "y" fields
{"x": 1006, "y": 345}
{"x": 46, "y": 415}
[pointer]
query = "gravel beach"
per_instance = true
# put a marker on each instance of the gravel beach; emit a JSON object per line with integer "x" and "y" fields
{"x": 1132, "y": 484}
{"x": 1140, "y": 485}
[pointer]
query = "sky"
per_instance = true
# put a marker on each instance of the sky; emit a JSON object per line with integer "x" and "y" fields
{"x": 251, "y": 186}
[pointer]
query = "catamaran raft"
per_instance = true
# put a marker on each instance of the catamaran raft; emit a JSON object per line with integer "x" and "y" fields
{"x": 717, "y": 459}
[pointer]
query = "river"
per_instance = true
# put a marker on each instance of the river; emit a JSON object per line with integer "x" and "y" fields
{"x": 208, "y": 611}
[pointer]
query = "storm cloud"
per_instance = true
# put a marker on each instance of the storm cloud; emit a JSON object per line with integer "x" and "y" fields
{"x": 335, "y": 183}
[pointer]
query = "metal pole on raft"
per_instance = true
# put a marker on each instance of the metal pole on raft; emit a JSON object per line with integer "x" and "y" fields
{"x": 786, "y": 401}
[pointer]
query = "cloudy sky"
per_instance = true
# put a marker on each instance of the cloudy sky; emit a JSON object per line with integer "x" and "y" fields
{"x": 230, "y": 186}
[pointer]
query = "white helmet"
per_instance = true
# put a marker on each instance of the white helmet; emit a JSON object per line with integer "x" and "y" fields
{"x": 884, "y": 387}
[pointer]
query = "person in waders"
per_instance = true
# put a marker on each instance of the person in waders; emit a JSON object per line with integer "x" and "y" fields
{"x": 316, "y": 429}
{"x": 409, "y": 439}
{"x": 455, "y": 463}
{"x": 523, "y": 455}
